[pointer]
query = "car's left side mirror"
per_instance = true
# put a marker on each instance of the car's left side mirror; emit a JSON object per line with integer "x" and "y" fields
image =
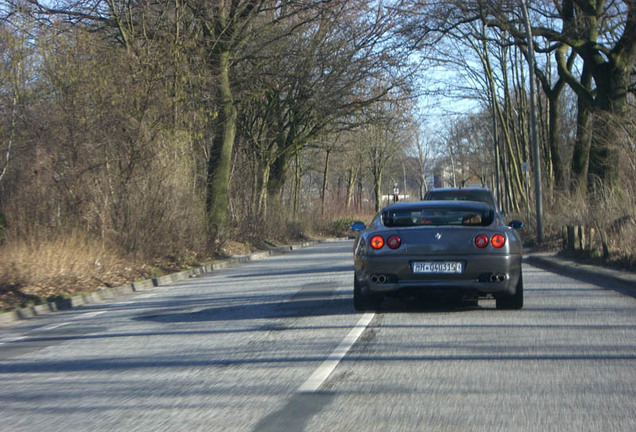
{"x": 516, "y": 224}
{"x": 358, "y": 226}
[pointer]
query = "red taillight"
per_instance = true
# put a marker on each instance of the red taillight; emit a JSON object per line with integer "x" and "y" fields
{"x": 377, "y": 242}
{"x": 498, "y": 240}
{"x": 393, "y": 242}
{"x": 481, "y": 241}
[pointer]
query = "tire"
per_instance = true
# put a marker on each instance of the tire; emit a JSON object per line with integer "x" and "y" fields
{"x": 364, "y": 302}
{"x": 513, "y": 302}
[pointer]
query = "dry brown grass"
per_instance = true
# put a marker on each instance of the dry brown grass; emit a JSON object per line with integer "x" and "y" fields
{"x": 33, "y": 273}
{"x": 611, "y": 213}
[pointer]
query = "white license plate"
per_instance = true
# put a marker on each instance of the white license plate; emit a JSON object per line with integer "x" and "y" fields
{"x": 437, "y": 267}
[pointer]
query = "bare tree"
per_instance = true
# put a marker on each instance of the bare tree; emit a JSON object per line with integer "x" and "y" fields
{"x": 335, "y": 60}
{"x": 424, "y": 158}
{"x": 601, "y": 34}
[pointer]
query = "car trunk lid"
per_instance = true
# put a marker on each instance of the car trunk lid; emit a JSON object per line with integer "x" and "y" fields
{"x": 438, "y": 240}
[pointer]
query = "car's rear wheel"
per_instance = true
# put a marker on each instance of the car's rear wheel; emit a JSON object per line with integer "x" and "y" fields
{"x": 514, "y": 301}
{"x": 364, "y": 301}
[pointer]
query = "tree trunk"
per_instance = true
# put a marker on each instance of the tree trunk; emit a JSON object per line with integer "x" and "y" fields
{"x": 509, "y": 160}
{"x": 351, "y": 183}
{"x": 423, "y": 185}
{"x": 377, "y": 190}
{"x": 323, "y": 192}
{"x": 297, "y": 179}
{"x": 220, "y": 159}
{"x": 612, "y": 81}
{"x": 278, "y": 176}
{"x": 261, "y": 208}
{"x": 581, "y": 152}
{"x": 611, "y": 70}
{"x": 553, "y": 139}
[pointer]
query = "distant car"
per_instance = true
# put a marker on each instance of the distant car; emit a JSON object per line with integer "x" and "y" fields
{"x": 457, "y": 249}
{"x": 462, "y": 194}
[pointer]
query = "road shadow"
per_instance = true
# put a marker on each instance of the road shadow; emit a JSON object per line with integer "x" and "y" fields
{"x": 426, "y": 305}
{"x": 299, "y": 271}
{"x": 306, "y": 303}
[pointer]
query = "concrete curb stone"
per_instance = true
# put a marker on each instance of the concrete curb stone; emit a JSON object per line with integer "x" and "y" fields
{"x": 144, "y": 285}
{"x": 622, "y": 281}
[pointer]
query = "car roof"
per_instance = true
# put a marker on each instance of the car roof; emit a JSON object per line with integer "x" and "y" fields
{"x": 406, "y": 205}
{"x": 479, "y": 193}
{"x": 469, "y": 188}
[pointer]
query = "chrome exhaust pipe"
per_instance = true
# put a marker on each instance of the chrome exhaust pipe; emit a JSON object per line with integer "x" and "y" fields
{"x": 380, "y": 279}
{"x": 497, "y": 277}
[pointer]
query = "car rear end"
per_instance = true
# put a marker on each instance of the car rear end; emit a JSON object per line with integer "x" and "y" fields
{"x": 445, "y": 257}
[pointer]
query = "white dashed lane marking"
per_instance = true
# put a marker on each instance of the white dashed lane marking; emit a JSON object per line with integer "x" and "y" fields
{"x": 321, "y": 374}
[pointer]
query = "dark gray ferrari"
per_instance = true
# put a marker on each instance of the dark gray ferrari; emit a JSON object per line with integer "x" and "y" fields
{"x": 449, "y": 249}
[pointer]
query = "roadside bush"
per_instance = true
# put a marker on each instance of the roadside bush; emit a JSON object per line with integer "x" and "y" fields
{"x": 33, "y": 272}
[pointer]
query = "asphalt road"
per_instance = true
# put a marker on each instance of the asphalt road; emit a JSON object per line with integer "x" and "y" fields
{"x": 275, "y": 345}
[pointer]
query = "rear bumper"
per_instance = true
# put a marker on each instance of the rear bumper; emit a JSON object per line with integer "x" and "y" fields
{"x": 482, "y": 275}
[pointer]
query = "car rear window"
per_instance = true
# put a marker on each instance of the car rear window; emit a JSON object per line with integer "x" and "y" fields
{"x": 437, "y": 217}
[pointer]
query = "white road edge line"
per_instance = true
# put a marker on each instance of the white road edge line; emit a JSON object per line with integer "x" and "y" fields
{"x": 16, "y": 339}
{"x": 88, "y": 315}
{"x": 321, "y": 374}
{"x": 54, "y": 326}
